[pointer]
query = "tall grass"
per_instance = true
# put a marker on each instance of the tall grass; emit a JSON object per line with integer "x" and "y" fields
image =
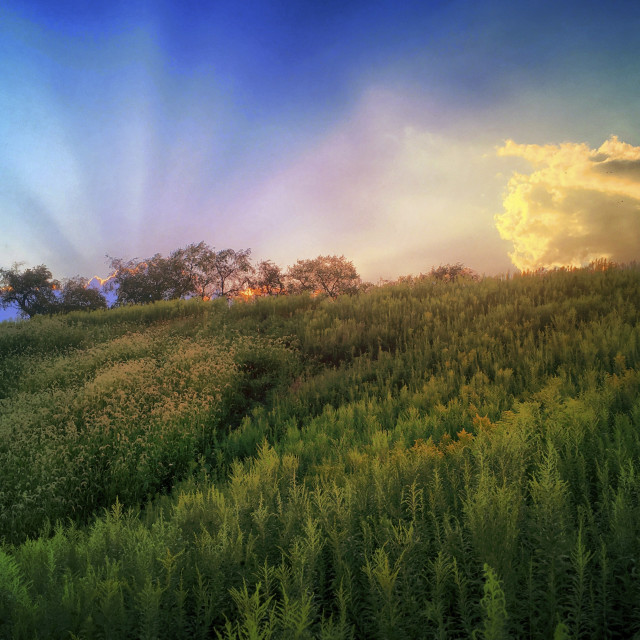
{"x": 429, "y": 460}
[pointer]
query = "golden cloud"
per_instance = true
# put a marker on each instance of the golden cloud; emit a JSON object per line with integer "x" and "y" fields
{"x": 578, "y": 204}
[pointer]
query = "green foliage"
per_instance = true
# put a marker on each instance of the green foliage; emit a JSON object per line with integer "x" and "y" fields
{"x": 449, "y": 272}
{"x": 149, "y": 280}
{"x": 430, "y": 459}
{"x": 123, "y": 419}
{"x": 32, "y": 290}
{"x": 268, "y": 278}
{"x": 331, "y": 275}
{"x": 15, "y": 604}
{"x": 493, "y": 605}
{"x": 76, "y": 296}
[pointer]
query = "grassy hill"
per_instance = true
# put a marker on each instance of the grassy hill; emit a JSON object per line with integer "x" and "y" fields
{"x": 428, "y": 459}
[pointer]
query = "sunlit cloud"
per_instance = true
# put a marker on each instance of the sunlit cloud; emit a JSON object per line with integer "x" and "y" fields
{"x": 388, "y": 190}
{"x": 129, "y": 130}
{"x": 577, "y": 205}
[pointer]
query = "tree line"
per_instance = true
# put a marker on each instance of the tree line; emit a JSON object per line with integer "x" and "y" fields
{"x": 196, "y": 270}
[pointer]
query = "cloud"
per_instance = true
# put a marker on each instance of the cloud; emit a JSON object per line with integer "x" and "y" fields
{"x": 578, "y": 204}
{"x": 386, "y": 188}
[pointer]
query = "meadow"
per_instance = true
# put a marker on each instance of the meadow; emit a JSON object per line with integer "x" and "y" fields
{"x": 425, "y": 460}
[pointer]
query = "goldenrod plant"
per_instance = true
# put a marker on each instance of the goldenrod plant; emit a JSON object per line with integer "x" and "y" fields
{"x": 432, "y": 458}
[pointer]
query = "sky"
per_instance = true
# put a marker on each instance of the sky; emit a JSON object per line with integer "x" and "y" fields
{"x": 402, "y": 135}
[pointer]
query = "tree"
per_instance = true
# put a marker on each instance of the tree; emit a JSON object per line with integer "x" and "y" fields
{"x": 233, "y": 270}
{"x": 76, "y": 296}
{"x": 214, "y": 273}
{"x": 197, "y": 262}
{"x": 142, "y": 281}
{"x": 332, "y": 275}
{"x": 268, "y": 278}
{"x": 32, "y": 290}
{"x": 450, "y": 272}
{"x": 301, "y": 277}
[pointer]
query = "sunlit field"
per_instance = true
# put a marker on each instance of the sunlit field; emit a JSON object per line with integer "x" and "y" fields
{"x": 428, "y": 459}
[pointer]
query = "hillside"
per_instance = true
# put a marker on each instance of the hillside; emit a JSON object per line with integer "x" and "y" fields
{"x": 428, "y": 459}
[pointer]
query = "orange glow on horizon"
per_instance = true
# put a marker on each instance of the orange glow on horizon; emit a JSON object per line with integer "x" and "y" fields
{"x": 249, "y": 293}
{"x": 102, "y": 281}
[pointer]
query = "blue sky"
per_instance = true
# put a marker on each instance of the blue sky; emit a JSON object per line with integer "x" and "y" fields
{"x": 371, "y": 130}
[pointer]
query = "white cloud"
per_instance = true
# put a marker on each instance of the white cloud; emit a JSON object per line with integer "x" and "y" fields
{"x": 578, "y": 204}
{"x": 388, "y": 191}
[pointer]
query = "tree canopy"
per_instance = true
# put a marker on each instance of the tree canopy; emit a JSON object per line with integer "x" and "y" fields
{"x": 194, "y": 270}
{"x": 31, "y": 290}
{"x": 197, "y": 265}
{"x": 233, "y": 270}
{"x": 449, "y": 272}
{"x": 35, "y": 292}
{"x": 331, "y": 275}
{"x": 269, "y": 278}
{"x": 77, "y": 296}
{"x": 150, "y": 280}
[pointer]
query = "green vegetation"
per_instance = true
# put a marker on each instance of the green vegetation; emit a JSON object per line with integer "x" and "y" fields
{"x": 194, "y": 271}
{"x": 447, "y": 459}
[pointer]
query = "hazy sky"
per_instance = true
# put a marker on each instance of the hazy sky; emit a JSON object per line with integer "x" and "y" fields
{"x": 400, "y": 134}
